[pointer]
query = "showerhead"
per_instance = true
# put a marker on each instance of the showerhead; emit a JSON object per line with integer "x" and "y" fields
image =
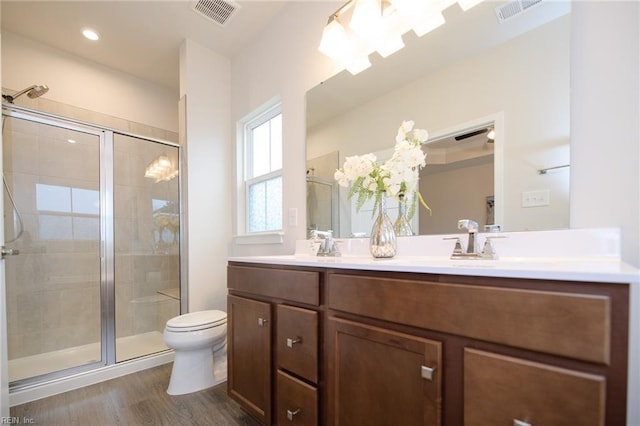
{"x": 33, "y": 92}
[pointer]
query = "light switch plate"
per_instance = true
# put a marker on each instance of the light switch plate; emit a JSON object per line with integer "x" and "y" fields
{"x": 535, "y": 198}
{"x": 293, "y": 217}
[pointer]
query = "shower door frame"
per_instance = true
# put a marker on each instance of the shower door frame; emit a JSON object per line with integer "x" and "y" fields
{"x": 107, "y": 235}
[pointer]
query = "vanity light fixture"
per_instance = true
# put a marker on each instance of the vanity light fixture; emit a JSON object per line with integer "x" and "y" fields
{"x": 90, "y": 34}
{"x": 361, "y": 27}
{"x": 491, "y": 135}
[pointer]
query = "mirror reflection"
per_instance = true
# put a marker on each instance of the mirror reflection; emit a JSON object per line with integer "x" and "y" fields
{"x": 472, "y": 74}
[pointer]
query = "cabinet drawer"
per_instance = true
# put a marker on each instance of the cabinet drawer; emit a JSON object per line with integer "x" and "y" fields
{"x": 568, "y": 324}
{"x": 287, "y": 284}
{"x": 297, "y": 341}
{"x": 499, "y": 390}
{"x": 297, "y": 402}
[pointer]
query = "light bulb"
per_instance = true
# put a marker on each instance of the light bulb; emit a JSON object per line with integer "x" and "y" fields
{"x": 335, "y": 42}
{"x": 366, "y": 20}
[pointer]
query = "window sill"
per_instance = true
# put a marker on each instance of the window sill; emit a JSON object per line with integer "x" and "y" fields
{"x": 261, "y": 238}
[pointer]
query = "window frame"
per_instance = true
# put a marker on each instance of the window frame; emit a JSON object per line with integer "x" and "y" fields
{"x": 244, "y": 161}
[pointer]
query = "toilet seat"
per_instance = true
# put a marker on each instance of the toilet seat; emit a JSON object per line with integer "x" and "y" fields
{"x": 195, "y": 321}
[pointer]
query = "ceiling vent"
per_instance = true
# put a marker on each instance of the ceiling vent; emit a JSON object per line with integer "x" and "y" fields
{"x": 218, "y": 11}
{"x": 515, "y": 8}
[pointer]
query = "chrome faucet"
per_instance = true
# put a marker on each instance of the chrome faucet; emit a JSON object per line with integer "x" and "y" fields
{"x": 472, "y": 251}
{"x": 472, "y": 229}
{"x": 328, "y": 246}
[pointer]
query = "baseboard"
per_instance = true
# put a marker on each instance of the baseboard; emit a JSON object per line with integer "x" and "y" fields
{"x": 80, "y": 380}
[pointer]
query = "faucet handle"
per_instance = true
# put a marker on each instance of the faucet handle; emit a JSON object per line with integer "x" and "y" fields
{"x": 336, "y": 248}
{"x": 488, "y": 251}
{"x": 457, "y": 249}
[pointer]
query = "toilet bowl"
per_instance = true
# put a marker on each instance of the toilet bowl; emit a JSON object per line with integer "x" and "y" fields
{"x": 194, "y": 337}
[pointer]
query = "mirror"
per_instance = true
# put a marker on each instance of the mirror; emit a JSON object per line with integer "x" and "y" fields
{"x": 472, "y": 73}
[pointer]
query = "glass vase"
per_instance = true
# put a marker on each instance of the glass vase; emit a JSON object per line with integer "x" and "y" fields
{"x": 402, "y": 227}
{"x": 382, "y": 243}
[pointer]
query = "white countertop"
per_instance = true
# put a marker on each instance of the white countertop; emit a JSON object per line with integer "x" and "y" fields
{"x": 590, "y": 255}
{"x": 609, "y": 271}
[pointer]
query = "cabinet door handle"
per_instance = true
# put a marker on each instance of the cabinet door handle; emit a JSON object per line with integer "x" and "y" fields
{"x": 517, "y": 422}
{"x": 262, "y": 322}
{"x": 291, "y": 342}
{"x": 292, "y": 414}
{"x": 427, "y": 372}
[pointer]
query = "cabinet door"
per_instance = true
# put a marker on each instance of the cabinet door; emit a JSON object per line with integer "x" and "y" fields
{"x": 249, "y": 355}
{"x": 501, "y": 390}
{"x": 382, "y": 377}
{"x": 297, "y": 341}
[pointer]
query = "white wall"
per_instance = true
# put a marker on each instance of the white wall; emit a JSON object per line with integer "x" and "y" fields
{"x": 85, "y": 84}
{"x": 605, "y": 186}
{"x": 204, "y": 79}
{"x": 605, "y": 115}
{"x": 284, "y": 61}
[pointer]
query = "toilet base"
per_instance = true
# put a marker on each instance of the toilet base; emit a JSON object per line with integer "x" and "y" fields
{"x": 192, "y": 371}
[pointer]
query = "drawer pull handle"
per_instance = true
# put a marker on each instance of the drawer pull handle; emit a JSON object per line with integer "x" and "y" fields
{"x": 262, "y": 322}
{"x": 427, "y": 372}
{"x": 291, "y": 342}
{"x": 292, "y": 414}
{"x": 517, "y": 422}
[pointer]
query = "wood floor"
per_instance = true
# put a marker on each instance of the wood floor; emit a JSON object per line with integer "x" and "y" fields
{"x": 135, "y": 399}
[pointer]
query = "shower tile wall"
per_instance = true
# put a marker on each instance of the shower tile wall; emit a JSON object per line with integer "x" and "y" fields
{"x": 55, "y": 301}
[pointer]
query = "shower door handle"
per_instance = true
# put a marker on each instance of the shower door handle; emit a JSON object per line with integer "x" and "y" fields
{"x": 4, "y": 252}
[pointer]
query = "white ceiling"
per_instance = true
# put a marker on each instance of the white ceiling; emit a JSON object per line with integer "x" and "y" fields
{"x": 140, "y": 37}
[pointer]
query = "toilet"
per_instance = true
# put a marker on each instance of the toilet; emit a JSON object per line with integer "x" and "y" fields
{"x": 194, "y": 337}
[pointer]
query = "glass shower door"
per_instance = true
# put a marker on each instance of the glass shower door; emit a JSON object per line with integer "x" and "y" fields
{"x": 147, "y": 230}
{"x": 52, "y": 216}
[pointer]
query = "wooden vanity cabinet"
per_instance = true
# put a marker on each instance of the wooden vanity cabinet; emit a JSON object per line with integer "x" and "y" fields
{"x": 349, "y": 347}
{"x": 505, "y": 351}
{"x": 273, "y": 341}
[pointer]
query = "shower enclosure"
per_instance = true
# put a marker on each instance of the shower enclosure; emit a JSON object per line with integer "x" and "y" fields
{"x": 95, "y": 216}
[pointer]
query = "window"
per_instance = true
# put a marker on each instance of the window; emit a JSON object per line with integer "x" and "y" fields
{"x": 263, "y": 171}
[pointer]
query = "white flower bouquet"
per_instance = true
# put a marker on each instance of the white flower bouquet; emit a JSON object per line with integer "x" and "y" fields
{"x": 396, "y": 177}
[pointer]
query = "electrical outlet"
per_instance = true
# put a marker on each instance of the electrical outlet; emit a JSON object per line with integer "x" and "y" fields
{"x": 535, "y": 198}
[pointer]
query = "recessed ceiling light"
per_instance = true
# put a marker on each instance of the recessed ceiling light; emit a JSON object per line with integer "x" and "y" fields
{"x": 90, "y": 34}
{"x": 71, "y": 140}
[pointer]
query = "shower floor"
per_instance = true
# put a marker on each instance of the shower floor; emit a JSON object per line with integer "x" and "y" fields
{"x": 128, "y": 347}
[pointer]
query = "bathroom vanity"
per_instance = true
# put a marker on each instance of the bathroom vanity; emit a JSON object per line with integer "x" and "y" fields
{"x": 428, "y": 341}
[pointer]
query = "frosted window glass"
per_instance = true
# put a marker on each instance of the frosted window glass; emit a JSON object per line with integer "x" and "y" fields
{"x": 257, "y": 207}
{"x": 53, "y": 198}
{"x": 85, "y": 201}
{"x": 265, "y": 206}
{"x": 274, "y": 204}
